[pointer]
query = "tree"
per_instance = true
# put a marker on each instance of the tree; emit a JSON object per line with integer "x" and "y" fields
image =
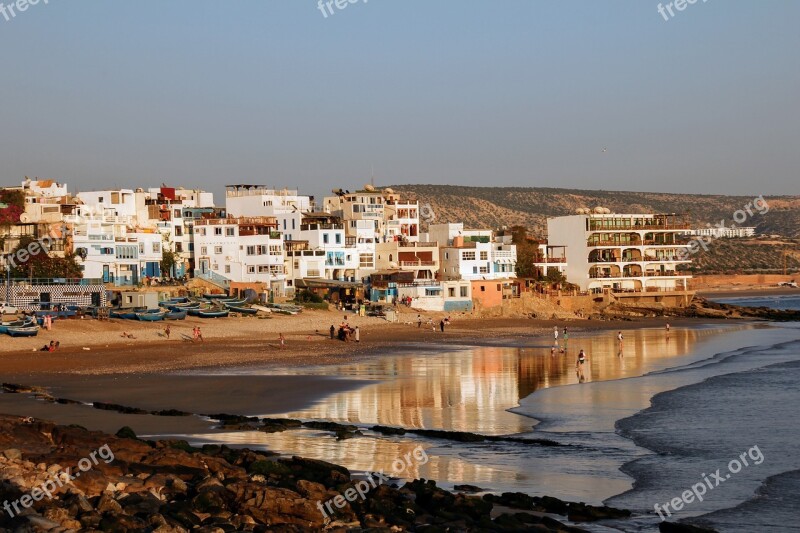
{"x": 527, "y": 252}
{"x": 30, "y": 259}
{"x": 168, "y": 262}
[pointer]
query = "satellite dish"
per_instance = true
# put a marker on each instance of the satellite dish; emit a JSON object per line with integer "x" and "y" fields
{"x": 369, "y": 187}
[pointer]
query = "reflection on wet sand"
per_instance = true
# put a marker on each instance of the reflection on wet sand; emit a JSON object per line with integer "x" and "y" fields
{"x": 472, "y": 390}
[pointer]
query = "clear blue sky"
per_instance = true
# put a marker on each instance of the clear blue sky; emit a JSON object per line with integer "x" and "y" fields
{"x": 518, "y": 93}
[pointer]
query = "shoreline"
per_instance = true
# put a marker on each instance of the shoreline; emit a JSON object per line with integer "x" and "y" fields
{"x": 211, "y": 380}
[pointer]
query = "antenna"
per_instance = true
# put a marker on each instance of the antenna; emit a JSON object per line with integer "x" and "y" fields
{"x": 372, "y": 174}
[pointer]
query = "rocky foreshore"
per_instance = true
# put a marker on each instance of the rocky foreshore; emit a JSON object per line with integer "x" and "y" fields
{"x": 66, "y": 478}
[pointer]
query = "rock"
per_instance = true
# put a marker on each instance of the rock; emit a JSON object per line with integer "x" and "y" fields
{"x": 674, "y": 527}
{"x": 386, "y": 430}
{"x": 41, "y": 522}
{"x": 468, "y": 488}
{"x": 126, "y": 433}
{"x": 276, "y": 425}
{"x": 107, "y": 504}
{"x": 12, "y": 454}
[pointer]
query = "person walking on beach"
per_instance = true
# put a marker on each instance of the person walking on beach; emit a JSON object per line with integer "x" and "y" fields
{"x": 333, "y": 331}
{"x": 167, "y": 331}
{"x": 282, "y": 341}
{"x": 667, "y": 328}
{"x": 579, "y": 365}
{"x": 357, "y": 334}
{"x": 555, "y": 334}
{"x": 620, "y": 338}
{"x": 419, "y": 321}
{"x": 441, "y": 325}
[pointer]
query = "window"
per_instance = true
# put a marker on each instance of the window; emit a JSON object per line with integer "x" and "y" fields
{"x": 251, "y": 270}
{"x": 227, "y": 269}
{"x": 474, "y": 270}
{"x": 366, "y": 261}
{"x": 127, "y": 252}
{"x": 141, "y": 247}
{"x": 325, "y": 238}
{"x": 338, "y": 238}
{"x": 156, "y": 247}
{"x": 484, "y": 256}
{"x": 275, "y": 249}
{"x": 485, "y": 270}
{"x": 293, "y": 222}
{"x": 191, "y": 247}
{"x": 468, "y": 256}
{"x": 178, "y": 247}
{"x": 203, "y": 250}
{"x": 178, "y": 231}
{"x": 464, "y": 292}
{"x": 251, "y": 250}
{"x": 284, "y": 224}
{"x": 451, "y": 292}
{"x": 499, "y": 287}
{"x": 217, "y": 231}
{"x": 447, "y": 255}
{"x": 218, "y": 250}
{"x": 263, "y": 269}
{"x": 483, "y": 288}
{"x": 230, "y": 232}
{"x": 262, "y": 249}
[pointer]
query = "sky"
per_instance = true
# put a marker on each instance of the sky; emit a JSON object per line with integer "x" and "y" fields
{"x": 581, "y": 94}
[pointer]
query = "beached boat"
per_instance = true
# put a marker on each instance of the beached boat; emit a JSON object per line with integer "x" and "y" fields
{"x": 213, "y": 314}
{"x": 13, "y": 324}
{"x": 127, "y": 315}
{"x": 242, "y": 310}
{"x": 181, "y": 307}
{"x": 232, "y": 302}
{"x": 176, "y": 315}
{"x": 215, "y": 296}
{"x": 148, "y": 316}
{"x": 286, "y": 309}
{"x": 21, "y": 331}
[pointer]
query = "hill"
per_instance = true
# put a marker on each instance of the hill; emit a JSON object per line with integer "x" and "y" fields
{"x": 490, "y": 207}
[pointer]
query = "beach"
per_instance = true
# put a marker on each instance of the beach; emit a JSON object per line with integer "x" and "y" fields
{"x": 495, "y": 377}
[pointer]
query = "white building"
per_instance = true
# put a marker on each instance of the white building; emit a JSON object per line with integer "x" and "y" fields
{"x": 724, "y": 232}
{"x": 285, "y": 205}
{"x": 622, "y": 252}
{"x": 391, "y": 218}
{"x": 243, "y": 249}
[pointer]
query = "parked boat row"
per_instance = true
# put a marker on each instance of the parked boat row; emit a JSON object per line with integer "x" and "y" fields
{"x": 20, "y": 328}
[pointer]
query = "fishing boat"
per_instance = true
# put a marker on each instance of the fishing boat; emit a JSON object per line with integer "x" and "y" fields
{"x": 22, "y": 331}
{"x": 215, "y": 296}
{"x": 175, "y": 315}
{"x": 228, "y": 303}
{"x": 127, "y": 315}
{"x": 213, "y": 314}
{"x": 12, "y": 324}
{"x": 180, "y": 307}
{"x": 148, "y": 316}
{"x": 286, "y": 309}
{"x": 242, "y": 310}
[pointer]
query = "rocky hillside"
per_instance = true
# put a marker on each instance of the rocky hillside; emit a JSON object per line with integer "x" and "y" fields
{"x": 747, "y": 256}
{"x": 480, "y": 207}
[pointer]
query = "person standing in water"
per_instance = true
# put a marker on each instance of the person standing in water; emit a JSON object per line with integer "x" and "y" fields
{"x": 555, "y": 335}
{"x": 579, "y": 366}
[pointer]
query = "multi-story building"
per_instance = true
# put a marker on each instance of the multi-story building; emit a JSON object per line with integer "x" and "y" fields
{"x": 322, "y": 251}
{"x": 285, "y": 205}
{"x": 420, "y": 258}
{"x": 240, "y": 249}
{"x": 472, "y": 254}
{"x": 624, "y": 253}
{"x": 723, "y": 232}
{"x": 391, "y": 218}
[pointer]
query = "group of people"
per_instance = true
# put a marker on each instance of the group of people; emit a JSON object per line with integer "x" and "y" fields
{"x": 345, "y": 333}
{"x": 52, "y": 347}
{"x": 442, "y": 323}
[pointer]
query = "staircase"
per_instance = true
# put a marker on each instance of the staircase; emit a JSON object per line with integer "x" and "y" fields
{"x": 217, "y": 280}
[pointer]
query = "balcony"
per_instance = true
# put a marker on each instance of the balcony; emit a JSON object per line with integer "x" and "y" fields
{"x": 413, "y": 264}
{"x": 316, "y": 227}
